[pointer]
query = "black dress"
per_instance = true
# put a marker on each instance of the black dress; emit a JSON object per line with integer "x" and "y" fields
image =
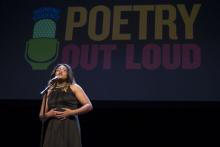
{"x": 62, "y": 133}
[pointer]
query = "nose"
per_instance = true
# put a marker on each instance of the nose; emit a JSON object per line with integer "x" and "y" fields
{"x": 59, "y": 73}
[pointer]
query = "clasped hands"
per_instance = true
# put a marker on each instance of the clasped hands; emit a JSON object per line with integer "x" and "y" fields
{"x": 60, "y": 114}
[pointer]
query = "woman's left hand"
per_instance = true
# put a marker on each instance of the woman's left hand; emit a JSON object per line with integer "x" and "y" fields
{"x": 64, "y": 114}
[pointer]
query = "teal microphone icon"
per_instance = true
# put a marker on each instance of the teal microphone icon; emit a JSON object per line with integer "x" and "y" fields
{"x": 42, "y": 50}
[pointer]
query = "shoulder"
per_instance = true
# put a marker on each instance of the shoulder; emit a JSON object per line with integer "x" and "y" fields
{"x": 75, "y": 87}
{"x": 48, "y": 92}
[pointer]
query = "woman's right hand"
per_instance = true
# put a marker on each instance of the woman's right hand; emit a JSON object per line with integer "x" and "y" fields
{"x": 51, "y": 113}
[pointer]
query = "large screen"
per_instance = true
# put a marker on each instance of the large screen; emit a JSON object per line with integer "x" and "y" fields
{"x": 141, "y": 50}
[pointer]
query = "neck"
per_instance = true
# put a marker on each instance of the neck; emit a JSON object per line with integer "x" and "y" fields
{"x": 61, "y": 82}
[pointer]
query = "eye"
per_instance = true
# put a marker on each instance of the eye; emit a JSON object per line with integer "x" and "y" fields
{"x": 61, "y": 69}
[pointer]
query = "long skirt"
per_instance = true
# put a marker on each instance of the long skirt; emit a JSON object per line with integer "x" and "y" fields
{"x": 63, "y": 133}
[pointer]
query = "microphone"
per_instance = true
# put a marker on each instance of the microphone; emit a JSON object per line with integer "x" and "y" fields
{"x": 54, "y": 79}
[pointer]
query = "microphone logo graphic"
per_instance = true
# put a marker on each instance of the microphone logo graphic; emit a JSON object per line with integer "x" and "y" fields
{"x": 42, "y": 49}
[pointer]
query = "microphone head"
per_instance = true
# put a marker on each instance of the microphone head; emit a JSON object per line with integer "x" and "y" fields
{"x": 55, "y": 78}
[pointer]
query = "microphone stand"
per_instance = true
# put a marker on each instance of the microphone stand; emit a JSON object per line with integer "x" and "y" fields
{"x": 43, "y": 120}
{"x": 45, "y": 90}
{"x": 44, "y": 93}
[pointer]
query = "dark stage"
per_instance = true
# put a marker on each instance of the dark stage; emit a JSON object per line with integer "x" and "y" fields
{"x": 120, "y": 124}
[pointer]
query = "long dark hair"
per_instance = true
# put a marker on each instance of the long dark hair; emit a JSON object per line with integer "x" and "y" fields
{"x": 70, "y": 74}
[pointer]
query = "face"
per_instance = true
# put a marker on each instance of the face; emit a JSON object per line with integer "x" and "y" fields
{"x": 61, "y": 71}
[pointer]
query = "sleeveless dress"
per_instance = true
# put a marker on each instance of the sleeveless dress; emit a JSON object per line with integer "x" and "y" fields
{"x": 62, "y": 133}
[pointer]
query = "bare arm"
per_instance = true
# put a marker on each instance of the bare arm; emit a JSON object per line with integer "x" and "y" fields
{"x": 43, "y": 105}
{"x": 82, "y": 98}
{"x": 44, "y": 113}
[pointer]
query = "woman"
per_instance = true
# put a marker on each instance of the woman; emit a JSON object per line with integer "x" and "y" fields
{"x": 65, "y": 100}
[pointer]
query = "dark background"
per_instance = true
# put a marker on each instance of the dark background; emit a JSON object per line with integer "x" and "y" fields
{"x": 121, "y": 124}
{"x": 117, "y": 83}
{"x": 192, "y": 120}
